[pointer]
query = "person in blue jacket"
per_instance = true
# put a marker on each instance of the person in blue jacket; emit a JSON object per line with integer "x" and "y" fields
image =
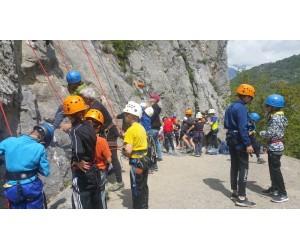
{"x": 25, "y": 158}
{"x": 239, "y": 142}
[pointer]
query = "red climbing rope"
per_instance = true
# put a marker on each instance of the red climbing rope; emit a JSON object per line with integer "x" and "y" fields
{"x": 62, "y": 55}
{"x": 5, "y": 119}
{"x": 52, "y": 85}
{"x": 103, "y": 91}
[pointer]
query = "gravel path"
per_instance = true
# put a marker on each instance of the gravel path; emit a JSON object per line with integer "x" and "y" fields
{"x": 201, "y": 182}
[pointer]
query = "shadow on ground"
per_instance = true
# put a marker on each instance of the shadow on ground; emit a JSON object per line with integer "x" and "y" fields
{"x": 254, "y": 187}
{"x": 217, "y": 185}
{"x": 57, "y": 203}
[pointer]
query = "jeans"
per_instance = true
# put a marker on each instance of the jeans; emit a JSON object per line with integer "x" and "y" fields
{"x": 154, "y": 133}
{"x": 197, "y": 139}
{"x": 169, "y": 141}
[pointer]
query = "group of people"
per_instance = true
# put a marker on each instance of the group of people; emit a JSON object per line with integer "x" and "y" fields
{"x": 94, "y": 147}
{"x": 190, "y": 132}
{"x": 239, "y": 138}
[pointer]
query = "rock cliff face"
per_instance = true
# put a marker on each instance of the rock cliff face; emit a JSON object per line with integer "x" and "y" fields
{"x": 186, "y": 74}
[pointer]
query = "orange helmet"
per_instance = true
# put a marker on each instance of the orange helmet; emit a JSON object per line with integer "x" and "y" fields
{"x": 95, "y": 114}
{"x": 73, "y": 104}
{"x": 140, "y": 84}
{"x": 189, "y": 112}
{"x": 246, "y": 89}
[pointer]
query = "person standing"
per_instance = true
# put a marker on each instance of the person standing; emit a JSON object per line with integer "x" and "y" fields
{"x": 108, "y": 131}
{"x": 75, "y": 85}
{"x": 135, "y": 147}
{"x": 25, "y": 158}
{"x": 238, "y": 140}
{"x": 274, "y": 134}
{"x": 168, "y": 134}
{"x": 102, "y": 152}
{"x": 211, "y": 137}
{"x": 155, "y": 126}
{"x": 85, "y": 173}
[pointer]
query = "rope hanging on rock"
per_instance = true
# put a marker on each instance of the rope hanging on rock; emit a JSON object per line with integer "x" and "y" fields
{"x": 103, "y": 91}
{"x": 51, "y": 83}
{"x": 5, "y": 119}
{"x": 110, "y": 85}
{"x": 62, "y": 55}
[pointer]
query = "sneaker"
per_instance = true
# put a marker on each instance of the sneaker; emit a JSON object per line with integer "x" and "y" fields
{"x": 116, "y": 186}
{"x": 234, "y": 196}
{"x": 260, "y": 160}
{"x": 269, "y": 192}
{"x": 197, "y": 155}
{"x": 244, "y": 203}
{"x": 190, "y": 150}
{"x": 155, "y": 168}
{"x": 279, "y": 198}
{"x": 159, "y": 159}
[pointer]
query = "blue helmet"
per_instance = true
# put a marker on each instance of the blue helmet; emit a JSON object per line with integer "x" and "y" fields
{"x": 275, "y": 100}
{"x": 47, "y": 133}
{"x": 255, "y": 117}
{"x": 174, "y": 116}
{"x": 73, "y": 77}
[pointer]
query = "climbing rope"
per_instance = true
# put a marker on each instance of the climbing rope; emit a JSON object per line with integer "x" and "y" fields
{"x": 102, "y": 65}
{"x": 51, "y": 83}
{"x": 63, "y": 58}
{"x": 5, "y": 119}
{"x": 103, "y": 91}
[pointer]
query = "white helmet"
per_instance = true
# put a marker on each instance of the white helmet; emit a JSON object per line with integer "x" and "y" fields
{"x": 149, "y": 111}
{"x": 199, "y": 115}
{"x": 143, "y": 104}
{"x": 133, "y": 108}
{"x": 211, "y": 111}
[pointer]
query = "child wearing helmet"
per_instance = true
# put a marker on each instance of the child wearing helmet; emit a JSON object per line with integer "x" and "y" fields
{"x": 102, "y": 152}
{"x": 25, "y": 158}
{"x": 211, "y": 137}
{"x": 253, "y": 118}
{"x": 135, "y": 147}
{"x": 109, "y": 131}
{"x": 274, "y": 134}
{"x": 188, "y": 137}
{"x": 198, "y": 134}
{"x": 239, "y": 142}
{"x": 75, "y": 85}
{"x": 85, "y": 173}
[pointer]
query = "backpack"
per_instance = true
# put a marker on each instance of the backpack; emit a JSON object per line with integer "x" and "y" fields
{"x": 151, "y": 149}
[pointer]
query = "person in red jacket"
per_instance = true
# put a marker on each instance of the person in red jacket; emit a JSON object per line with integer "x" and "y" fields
{"x": 168, "y": 134}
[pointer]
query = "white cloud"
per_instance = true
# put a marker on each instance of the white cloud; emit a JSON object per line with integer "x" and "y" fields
{"x": 256, "y": 52}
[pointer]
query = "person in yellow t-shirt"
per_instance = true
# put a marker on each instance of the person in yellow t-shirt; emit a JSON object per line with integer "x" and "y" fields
{"x": 135, "y": 147}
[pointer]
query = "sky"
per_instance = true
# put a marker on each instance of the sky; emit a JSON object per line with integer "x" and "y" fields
{"x": 256, "y": 52}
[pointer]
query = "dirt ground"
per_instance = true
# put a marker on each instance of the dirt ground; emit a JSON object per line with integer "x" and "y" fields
{"x": 188, "y": 182}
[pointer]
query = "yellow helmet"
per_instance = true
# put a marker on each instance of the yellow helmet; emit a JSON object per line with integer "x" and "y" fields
{"x": 73, "y": 104}
{"x": 189, "y": 112}
{"x": 95, "y": 114}
{"x": 246, "y": 89}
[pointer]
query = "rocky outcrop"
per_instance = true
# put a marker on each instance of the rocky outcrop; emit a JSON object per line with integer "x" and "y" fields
{"x": 186, "y": 74}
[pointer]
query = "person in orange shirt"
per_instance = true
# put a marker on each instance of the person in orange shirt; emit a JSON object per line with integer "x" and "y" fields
{"x": 102, "y": 151}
